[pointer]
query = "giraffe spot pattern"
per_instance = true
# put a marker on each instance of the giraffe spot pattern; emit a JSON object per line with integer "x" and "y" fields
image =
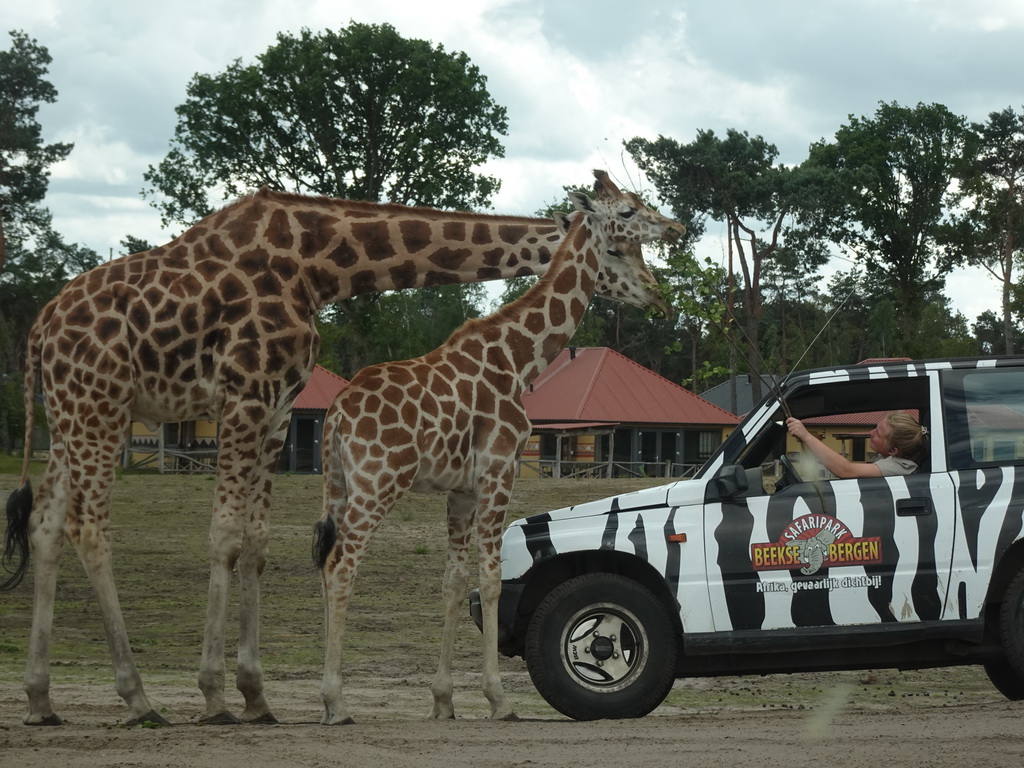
{"x": 375, "y": 240}
{"x": 415, "y": 235}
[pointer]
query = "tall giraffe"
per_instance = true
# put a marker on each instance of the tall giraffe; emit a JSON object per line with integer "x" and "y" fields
{"x": 216, "y": 324}
{"x": 453, "y": 420}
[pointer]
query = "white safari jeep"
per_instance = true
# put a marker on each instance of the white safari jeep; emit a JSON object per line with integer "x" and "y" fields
{"x": 731, "y": 573}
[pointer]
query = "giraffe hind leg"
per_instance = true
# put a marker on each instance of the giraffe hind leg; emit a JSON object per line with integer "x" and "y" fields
{"x": 46, "y": 532}
{"x": 88, "y": 529}
{"x": 338, "y": 570}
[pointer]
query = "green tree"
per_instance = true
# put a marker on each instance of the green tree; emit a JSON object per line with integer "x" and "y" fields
{"x": 987, "y": 229}
{"x": 34, "y": 261}
{"x": 842, "y": 315}
{"x": 881, "y": 189}
{"x": 399, "y": 325}
{"x": 362, "y": 113}
{"x": 736, "y": 180}
{"x": 132, "y": 244}
{"x": 989, "y": 332}
{"x": 24, "y": 158}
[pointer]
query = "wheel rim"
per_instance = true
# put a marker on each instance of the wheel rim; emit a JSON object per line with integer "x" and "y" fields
{"x": 604, "y": 647}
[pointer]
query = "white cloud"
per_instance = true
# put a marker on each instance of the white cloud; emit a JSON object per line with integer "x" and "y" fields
{"x": 577, "y": 80}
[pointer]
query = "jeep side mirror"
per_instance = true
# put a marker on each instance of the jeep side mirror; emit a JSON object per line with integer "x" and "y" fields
{"x": 731, "y": 480}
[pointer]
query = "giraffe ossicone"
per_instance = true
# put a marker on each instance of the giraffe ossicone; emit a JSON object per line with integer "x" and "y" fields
{"x": 216, "y": 324}
{"x": 453, "y": 420}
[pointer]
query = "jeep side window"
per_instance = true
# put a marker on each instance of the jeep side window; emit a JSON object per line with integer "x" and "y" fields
{"x": 842, "y": 415}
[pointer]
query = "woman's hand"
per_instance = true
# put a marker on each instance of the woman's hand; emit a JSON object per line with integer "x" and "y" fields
{"x": 796, "y": 429}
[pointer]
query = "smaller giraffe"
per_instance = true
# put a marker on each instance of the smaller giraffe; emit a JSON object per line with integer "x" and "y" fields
{"x": 452, "y": 420}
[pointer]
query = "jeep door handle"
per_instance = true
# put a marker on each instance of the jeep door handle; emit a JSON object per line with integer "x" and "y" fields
{"x": 914, "y": 507}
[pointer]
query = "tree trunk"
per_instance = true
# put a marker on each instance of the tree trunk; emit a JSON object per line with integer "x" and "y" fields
{"x": 3, "y": 244}
{"x": 1007, "y": 280}
{"x": 752, "y": 305}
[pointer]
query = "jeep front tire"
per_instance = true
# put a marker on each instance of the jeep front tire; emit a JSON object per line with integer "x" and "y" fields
{"x": 601, "y": 646}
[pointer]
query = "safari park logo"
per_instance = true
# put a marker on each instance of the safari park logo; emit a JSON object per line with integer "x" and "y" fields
{"x": 813, "y": 542}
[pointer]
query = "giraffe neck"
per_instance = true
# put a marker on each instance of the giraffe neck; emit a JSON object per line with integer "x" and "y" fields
{"x": 533, "y": 329}
{"x": 349, "y": 247}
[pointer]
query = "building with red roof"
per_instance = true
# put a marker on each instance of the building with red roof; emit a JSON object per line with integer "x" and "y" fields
{"x": 192, "y": 446}
{"x": 301, "y": 452}
{"x": 596, "y": 412}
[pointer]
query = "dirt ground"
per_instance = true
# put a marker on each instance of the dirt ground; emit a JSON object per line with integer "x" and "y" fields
{"x": 391, "y": 731}
{"x": 926, "y": 718}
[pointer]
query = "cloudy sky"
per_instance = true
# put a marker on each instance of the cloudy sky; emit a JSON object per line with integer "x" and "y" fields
{"x": 577, "y": 78}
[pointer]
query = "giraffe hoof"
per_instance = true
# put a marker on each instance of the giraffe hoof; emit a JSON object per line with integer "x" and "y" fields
{"x": 264, "y": 719}
{"x": 48, "y": 720}
{"x": 221, "y": 718}
{"x": 511, "y": 717}
{"x": 151, "y": 719}
{"x": 347, "y": 720}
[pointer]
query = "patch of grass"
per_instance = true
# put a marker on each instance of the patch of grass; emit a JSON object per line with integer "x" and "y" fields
{"x": 10, "y": 464}
{"x": 160, "y": 525}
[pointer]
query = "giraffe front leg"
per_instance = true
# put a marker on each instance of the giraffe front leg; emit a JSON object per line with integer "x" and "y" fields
{"x": 489, "y": 528}
{"x": 456, "y": 580}
{"x": 249, "y": 676}
{"x": 211, "y": 663}
{"x": 490, "y": 592}
{"x": 461, "y": 506}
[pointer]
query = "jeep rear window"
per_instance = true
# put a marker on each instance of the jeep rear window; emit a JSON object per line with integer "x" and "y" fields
{"x": 993, "y": 413}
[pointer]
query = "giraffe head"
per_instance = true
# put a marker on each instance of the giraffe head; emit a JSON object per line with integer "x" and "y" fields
{"x": 624, "y": 216}
{"x": 624, "y": 222}
{"x": 624, "y": 275}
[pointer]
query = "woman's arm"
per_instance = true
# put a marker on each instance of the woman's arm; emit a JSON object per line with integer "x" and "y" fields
{"x": 838, "y": 465}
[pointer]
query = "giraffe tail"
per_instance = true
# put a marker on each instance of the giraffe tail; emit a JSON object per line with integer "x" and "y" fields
{"x": 15, "y": 555}
{"x": 325, "y": 534}
{"x": 19, "y": 504}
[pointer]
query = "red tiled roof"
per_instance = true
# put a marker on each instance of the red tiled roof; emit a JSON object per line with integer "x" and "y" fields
{"x": 320, "y": 391}
{"x": 599, "y": 384}
{"x": 847, "y": 419}
{"x": 564, "y": 426}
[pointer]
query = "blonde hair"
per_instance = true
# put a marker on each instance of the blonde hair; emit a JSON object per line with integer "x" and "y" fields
{"x": 908, "y": 438}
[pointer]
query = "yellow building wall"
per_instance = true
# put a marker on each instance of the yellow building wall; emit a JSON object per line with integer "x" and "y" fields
{"x": 828, "y": 436}
{"x": 142, "y": 450}
{"x": 529, "y": 465}
{"x": 584, "y": 450}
